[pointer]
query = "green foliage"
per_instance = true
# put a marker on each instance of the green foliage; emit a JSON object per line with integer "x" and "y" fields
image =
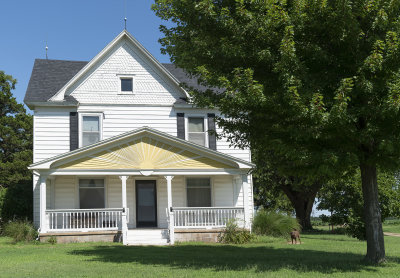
{"x": 315, "y": 82}
{"x": 15, "y": 136}
{"x": 233, "y": 234}
{"x": 20, "y": 230}
{"x": 15, "y": 154}
{"x": 52, "y": 240}
{"x": 17, "y": 201}
{"x": 274, "y": 224}
{"x": 344, "y": 199}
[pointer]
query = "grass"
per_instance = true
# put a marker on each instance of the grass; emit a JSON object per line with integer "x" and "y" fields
{"x": 320, "y": 255}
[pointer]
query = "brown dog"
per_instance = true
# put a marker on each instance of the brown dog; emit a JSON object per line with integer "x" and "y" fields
{"x": 295, "y": 235}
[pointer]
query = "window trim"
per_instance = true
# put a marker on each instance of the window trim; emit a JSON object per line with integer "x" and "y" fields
{"x": 125, "y": 76}
{"x": 81, "y": 115}
{"x": 204, "y": 116}
{"x": 78, "y": 195}
{"x": 211, "y": 188}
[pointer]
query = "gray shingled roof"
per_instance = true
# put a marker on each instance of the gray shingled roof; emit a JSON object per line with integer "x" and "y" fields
{"x": 49, "y": 76}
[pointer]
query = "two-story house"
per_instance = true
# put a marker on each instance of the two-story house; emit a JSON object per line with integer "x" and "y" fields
{"x": 119, "y": 153}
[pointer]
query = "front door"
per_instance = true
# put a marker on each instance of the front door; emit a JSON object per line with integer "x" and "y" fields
{"x": 146, "y": 204}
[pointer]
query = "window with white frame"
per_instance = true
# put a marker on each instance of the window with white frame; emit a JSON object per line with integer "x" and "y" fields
{"x": 126, "y": 84}
{"x": 196, "y": 130}
{"x": 91, "y": 193}
{"x": 91, "y": 129}
{"x": 198, "y": 191}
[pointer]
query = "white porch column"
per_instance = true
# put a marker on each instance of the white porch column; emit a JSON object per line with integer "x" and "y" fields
{"x": 245, "y": 187}
{"x": 170, "y": 212}
{"x": 43, "y": 220}
{"x": 124, "y": 212}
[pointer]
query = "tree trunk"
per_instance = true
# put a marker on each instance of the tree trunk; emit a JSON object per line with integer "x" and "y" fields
{"x": 302, "y": 202}
{"x": 372, "y": 214}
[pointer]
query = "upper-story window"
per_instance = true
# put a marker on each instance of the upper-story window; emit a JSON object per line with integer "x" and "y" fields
{"x": 126, "y": 85}
{"x": 196, "y": 131}
{"x": 91, "y": 129}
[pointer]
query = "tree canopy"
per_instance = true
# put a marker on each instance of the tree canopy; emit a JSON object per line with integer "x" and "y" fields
{"x": 315, "y": 81}
{"x": 15, "y": 136}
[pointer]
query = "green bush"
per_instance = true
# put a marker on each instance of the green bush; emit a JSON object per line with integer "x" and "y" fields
{"x": 233, "y": 234}
{"x": 16, "y": 201}
{"x": 274, "y": 224}
{"x": 52, "y": 240}
{"x": 20, "y": 230}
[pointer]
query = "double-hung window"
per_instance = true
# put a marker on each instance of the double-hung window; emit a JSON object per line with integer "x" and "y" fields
{"x": 91, "y": 193}
{"x": 198, "y": 192}
{"x": 196, "y": 130}
{"x": 91, "y": 129}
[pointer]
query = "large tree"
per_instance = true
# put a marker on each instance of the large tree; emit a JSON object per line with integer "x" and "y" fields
{"x": 15, "y": 135}
{"x": 285, "y": 192}
{"x": 15, "y": 154}
{"x": 315, "y": 79}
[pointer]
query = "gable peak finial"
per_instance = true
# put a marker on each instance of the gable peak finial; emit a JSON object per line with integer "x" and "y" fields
{"x": 47, "y": 48}
{"x": 125, "y": 22}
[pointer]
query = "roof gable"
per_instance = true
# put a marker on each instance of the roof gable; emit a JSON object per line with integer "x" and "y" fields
{"x": 124, "y": 41}
{"x": 146, "y": 149}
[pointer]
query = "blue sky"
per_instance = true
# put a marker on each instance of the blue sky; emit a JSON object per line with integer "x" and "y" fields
{"x": 74, "y": 30}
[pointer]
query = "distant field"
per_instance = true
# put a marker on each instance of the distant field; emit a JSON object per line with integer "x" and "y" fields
{"x": 320, "y": 255}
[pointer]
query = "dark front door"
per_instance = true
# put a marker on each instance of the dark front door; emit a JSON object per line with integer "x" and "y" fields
{"x": 146, "y": 204}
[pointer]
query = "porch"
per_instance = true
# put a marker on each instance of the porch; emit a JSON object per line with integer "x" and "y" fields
{"x": 120, "y": 217}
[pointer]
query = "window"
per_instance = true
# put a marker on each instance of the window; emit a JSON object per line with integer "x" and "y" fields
{"x": 198, "y": 192}
{"x": 90, "y": 130}
{"x": 196, "y": 130}
{"x": 126, "y": 84}
{"x": 91, "y": 193}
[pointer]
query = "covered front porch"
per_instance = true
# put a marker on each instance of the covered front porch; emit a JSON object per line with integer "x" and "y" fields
{"x": 140, "y": 202}
{"x": 140, "y": 180}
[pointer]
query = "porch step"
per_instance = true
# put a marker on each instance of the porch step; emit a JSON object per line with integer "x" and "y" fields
{"x": 147, "y": 237}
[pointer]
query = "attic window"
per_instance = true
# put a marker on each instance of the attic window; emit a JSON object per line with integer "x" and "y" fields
{"x": 126, "y": 84}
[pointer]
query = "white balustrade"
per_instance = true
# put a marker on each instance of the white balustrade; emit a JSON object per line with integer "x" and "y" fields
{"x": 84, "y": 219}
{"x": 210, "y": 217}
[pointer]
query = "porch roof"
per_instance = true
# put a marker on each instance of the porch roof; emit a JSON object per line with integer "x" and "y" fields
{"x": 143, "y": 150}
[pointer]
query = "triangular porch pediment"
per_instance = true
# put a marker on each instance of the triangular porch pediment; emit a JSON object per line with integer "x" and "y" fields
{"x": 145, "y": 152}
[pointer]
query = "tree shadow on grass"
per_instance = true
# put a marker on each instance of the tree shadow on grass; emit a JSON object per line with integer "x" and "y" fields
{"x": 229, "y": 257}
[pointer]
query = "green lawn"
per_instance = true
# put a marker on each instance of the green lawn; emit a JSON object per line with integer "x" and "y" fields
{"x": 318, "y": 256}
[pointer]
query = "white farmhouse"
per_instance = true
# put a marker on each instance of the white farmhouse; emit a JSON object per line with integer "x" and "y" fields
{"x": 119, "y": 153}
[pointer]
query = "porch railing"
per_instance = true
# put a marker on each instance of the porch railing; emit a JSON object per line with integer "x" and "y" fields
{"x": 84, "y": 219}
{"x": 210, "y": 217}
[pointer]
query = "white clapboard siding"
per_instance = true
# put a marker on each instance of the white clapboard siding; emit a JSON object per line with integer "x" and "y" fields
{"x": 162, "y": 202}
{"x": 51, "y": 132}
{"x": 101, "y": 84}
{"x": 120, "y": 119}
{"x": 65, "y": 192}
{"x": 223, "y": 191}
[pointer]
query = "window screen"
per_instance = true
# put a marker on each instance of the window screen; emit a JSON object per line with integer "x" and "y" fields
{"x": 126, "y": 84}
{"x": 90, "y": 130}
{"x": 198, "y": 192}
{"x": 91, "y": 193}
{"x": 196, "y": 130}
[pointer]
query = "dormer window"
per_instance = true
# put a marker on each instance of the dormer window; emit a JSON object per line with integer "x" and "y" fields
{"x": 126, "y": 85}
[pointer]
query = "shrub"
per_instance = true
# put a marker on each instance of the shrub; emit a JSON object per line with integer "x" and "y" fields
{"x": 233, "y": 234}
{"x": 20, "y": 230}
{"x": 16, "y": 201}
{"x": 274, "y": 224}
{"x": 52, "y": 240}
